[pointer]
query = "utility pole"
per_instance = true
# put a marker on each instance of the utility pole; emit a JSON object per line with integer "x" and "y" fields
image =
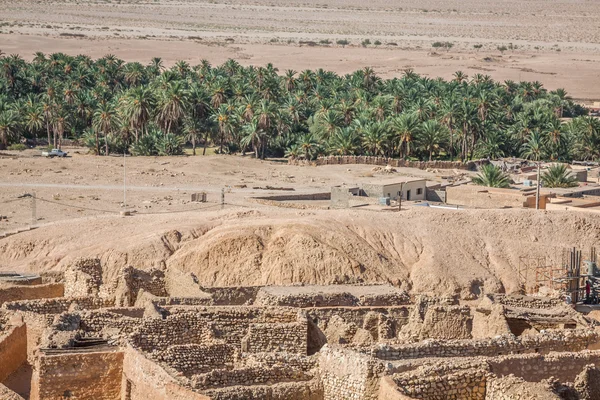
{"x": 124, "y": 212}
{"x": 33, "y": 211}
{"x": 537, "y": 190}
{"x": 222, "y": 198}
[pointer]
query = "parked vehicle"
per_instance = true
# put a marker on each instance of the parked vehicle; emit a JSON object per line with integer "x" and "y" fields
{"x": 54, "y": 153}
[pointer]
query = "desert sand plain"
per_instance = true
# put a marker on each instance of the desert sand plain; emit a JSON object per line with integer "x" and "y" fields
{"x": 557, "y": 42}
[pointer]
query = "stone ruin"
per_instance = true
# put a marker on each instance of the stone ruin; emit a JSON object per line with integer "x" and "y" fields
{"x": 84, "y": 335}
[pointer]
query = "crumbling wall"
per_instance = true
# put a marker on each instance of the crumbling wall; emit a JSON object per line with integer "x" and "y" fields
{"x": 83, "y": 278}
{"x": 233, "y": 295}
{"x": 247, "y": 376}
{"x": 447, "y": 322}
{"x": 461, "y": 384}
{"x": 569, "y": 340}
{"x": 309, "y": 390}
{"x": 132, "y": 280}
{"x": 157, "y": 333}
{"x": 57, "y": 305}
{"x": 285, "y": 337}
{"x": 11, "y": 293}
{"x": 270, "y": 359}
{"x": 536, "y": 367}
{"x": 347, "y": 374}
{"x": 587, "y": 383}
{"x": 193, "y": 359}
{"x": 515, "y": 300}
{"x": 513, "y": 388}
{"x": 489, "y": 323}
{"x": 143, "y": 379}
{"x": 78, "y": 375}
{"x": 13, "y": 349}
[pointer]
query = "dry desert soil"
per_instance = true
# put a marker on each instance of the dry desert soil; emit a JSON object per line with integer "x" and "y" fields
{"x": 557, "y": 42}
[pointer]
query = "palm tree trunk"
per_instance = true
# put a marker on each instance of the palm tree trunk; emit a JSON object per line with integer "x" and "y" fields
{"x": 194, "y": 144}
{"x": 97, "y": 143}
{"x": 106, "y": 144}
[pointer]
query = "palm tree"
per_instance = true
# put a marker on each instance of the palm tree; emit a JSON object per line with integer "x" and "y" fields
{"x": 557, "y": 176}
{"x": 138, "y": 105}
{"x": 105, "y": 121}
{"x": 253, "y": 134}
{"x": 432, "y": 137}
{"x": 405, "y": 127}
{"x": 172, "y": 105}
{"x": 9, "y": 125}
{"x": 491, "y": 176}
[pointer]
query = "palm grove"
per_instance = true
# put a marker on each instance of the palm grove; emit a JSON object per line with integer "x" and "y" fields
{"x": 113, "y": 107}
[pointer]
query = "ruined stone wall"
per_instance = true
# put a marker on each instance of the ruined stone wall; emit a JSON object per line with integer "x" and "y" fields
{"x": 183, "y": 301}
{"x": 447, "y": 322}
{"x": 143, "y": 379}
{"x": 309, "y": 390}
{"x": 233, "y": 296}
{"x": 57, "y": 305}
{"x": 463, "y": 384}
{"x": 285, "y": 337}
{"x": 513, "y": 388}
{"x": 193, "y": 359}
{"x": 79, "y": 375}
{"x": 569, "y": 340}
{"x": 13, "y": 349}
{"x": 185, "y": 328}
{"x": 247, "y": 376}
{"x": 83, "y": 278}
{"x": 347, "y": 374}
{"x": 535, "y": 367}
{"x": 310, "y": 300}
{"x": 394, "y": 162}
{"x": 270, "y": 359}
{"x": 29, "y": 292}
{"x": 132, "y": 280}
{"x": 108, "y": 324}
{"x": 526, "y": 301}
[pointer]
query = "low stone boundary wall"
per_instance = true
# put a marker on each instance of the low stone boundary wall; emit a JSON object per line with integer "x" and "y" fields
{"x": 13, "y": 349}
{"x": 526, "y": 301}
{"x": 30, "y": 292}
{"x": 570, "y": 340}
{"x": 393, "y": 162}
{"x": 80, "y": 375}
{"x": 232, "y": 295}
{"x": 57, "y": 305}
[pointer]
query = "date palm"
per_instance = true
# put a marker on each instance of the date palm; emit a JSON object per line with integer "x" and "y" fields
{"x": 105, "y": 121}
{"x": 491, "y": 176}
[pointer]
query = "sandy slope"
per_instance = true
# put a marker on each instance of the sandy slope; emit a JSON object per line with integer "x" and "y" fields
{"x": 424, "y": 250}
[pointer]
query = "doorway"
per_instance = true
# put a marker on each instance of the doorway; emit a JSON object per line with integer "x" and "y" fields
{"x": 408, "y": 195}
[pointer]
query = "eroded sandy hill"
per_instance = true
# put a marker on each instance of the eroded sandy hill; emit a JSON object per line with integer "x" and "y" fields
{"x": 423, "y": 250}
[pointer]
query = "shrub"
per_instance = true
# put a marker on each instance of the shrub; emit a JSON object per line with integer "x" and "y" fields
{"x": 17, "y": 147}
{"x": 343, "y": 42}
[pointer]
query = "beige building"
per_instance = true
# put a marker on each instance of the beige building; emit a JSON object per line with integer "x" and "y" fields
{"x": 409, "y": 189}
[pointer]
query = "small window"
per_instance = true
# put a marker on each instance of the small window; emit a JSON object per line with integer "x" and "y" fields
{"x": 389, "y": 195}
{"x": 419, "y": 191}
{"x": 398, "y": 193}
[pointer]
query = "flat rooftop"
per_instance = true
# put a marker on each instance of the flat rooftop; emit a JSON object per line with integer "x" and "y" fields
{"x": 393, "y": 181}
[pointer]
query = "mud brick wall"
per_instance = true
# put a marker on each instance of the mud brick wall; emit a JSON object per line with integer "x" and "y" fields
{"x": 89, "y": 375}
{"x": 30, "y": 292}
{"x": 394, "y": 162}
{"x": 331, "y": 300}
{"x": 193, "y": 359}
{"x": 247, "y": 376}
{"x": 13, "y": 349}
{"x": 58, "y": 305}
{"x": 569, "y": 340}
{"x": 348, "y": 375}
{"x": 310, "y": 390}
{"x": 83, "y": 278}
{"x": 285, "y": 337}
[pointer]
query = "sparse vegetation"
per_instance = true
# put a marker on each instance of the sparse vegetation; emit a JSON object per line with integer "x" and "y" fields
{"x": 558, "y": 176}
{"x": 491, "y": 176}
{"x": 343, "y": 42}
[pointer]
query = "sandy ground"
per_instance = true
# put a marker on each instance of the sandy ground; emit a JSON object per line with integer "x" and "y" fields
{"x": 558, "y": 43}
